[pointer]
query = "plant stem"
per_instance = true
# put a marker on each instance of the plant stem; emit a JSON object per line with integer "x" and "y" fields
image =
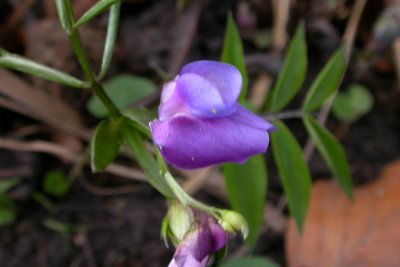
{"x": 186, "y": 199}
{"x": 80, "y": 54}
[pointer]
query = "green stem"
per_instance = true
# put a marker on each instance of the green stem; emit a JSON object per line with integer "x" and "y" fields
{"x": 185, "y": 198}
{"x": 80, "y": 54}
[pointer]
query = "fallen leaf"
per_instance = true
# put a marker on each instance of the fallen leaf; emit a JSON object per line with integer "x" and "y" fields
{"x": 339, "y": 233}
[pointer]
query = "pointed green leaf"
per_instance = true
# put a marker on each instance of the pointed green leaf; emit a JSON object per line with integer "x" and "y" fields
{"x": 293, "y": 72}
{"x": 123, "y": 90}
{"x": 327, "y": 81}
{"x": 62, "y": 15}
{"x": 105, "y": 144}
{"x": 25, "y": 65}
{"x": 250, "y": 262}
{"x": 94, "y": 11}
{"x": 136, "y": 144}
{"x": 332, "y": 151}
{"x": 293, "y": 171}
{"x": 232, "y": 52}
{"x": 112, "y": 29}
{"x": 55, "y": 183}
{"x": 246, "y": 186}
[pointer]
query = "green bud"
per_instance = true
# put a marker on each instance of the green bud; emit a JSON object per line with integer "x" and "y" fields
{"x": 233, "y": 221}
{"x": 180, "y": 219}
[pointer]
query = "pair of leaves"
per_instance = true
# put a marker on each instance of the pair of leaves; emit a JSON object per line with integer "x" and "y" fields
{"x": 287, "y": 152}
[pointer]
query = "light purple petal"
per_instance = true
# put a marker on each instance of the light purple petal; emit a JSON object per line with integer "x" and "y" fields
{"x": 188, "y": 142}
{"x": 210, "y": 88}
{"x": 171, "y": 102}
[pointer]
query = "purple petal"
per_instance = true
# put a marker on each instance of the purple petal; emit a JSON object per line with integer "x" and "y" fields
{"x": 219, "y": 236}
{"x": 210, "y": 88}
{"x": 188, "y": 261}
{"x": 188, "y": 142}
{"x": 244, "y": 116}
{"x": 171, "y": 102}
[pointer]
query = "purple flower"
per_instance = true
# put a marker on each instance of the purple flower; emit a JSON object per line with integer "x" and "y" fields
{"x": 205, "y": 239}
{"x": 201, "y": 124}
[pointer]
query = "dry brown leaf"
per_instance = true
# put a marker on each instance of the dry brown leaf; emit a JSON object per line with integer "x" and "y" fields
{"x": 339, "y": 233}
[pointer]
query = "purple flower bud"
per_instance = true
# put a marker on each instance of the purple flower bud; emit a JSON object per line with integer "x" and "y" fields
{"x": 205, "y": 239}
{"x": 201, "y": 124}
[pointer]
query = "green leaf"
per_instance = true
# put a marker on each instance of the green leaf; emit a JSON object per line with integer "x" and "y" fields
{"x": 293, "y": 171}
{"x": 327, "y": 81}
{"x": 293, "y": 72}
{"x": 332, "y": 151}
{"x": 55, "y": 183}
{"x": 232, "y": 53}
{"x": 246, "y": 186}
{"x": 6, "y": 185}
{"x": 94, "y": 11}
{"x": 250, "y": 262}
{"x": 352, "y": 104}
{"x": 140, "y": 118}
{"x": 123, "y": 90}
{"x": 112, "y": 29}
{"x": 106, "y": 143}
{"x": 7, "y": 211}
{"x": 16, "y": 62}
{"x": 136, "y": 144}
{"x": 62, "y": 15}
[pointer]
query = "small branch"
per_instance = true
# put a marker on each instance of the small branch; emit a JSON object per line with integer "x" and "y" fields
{"x": 62, "y": 152}
{"x": 281, "y": 18}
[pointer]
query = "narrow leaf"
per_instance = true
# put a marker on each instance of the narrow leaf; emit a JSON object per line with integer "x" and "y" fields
{"x": 95, "y": 10}
{"x": 327, "y": 81}
{"x": 293, "y": 171}
{"x": 293, "y": 72}
{"x": 25, "y": 65}
{"x": 7, "y": 211}
{"x": 123, "y": 91}
{"x": 232, "y": 52}
{"x": 250, "y": 262}
{"x": 105, "y": 144}
{"x": 332, "y": 151}
{"x": 246, "y": 186}
{"x": 112, "y": 29}
{"x": 62, "y": 15}
{"x": 137, "y": 146}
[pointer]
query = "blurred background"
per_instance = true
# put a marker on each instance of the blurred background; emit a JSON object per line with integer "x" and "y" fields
{"x": 55, "y": 212}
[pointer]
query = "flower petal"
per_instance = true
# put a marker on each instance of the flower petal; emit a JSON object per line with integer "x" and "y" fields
{"x": 219, "y": 236}
{"x": 210, "y": 88}
{"x": 188, "y": 142}
{"x": 171, "y": 102}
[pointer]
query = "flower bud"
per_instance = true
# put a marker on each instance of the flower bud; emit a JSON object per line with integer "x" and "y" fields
{"x": 233, "y": 221}
{"x": 180, "y": 219}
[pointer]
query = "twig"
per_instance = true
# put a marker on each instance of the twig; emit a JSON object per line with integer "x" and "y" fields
{"x": 15, "y": 17}
{"x": 281, "y": 17}
{"x": 103, "y": 191}
{"x": 348, "y": 40}
{"x": 62, "y": 152}
{"x": 396, "y": 50}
